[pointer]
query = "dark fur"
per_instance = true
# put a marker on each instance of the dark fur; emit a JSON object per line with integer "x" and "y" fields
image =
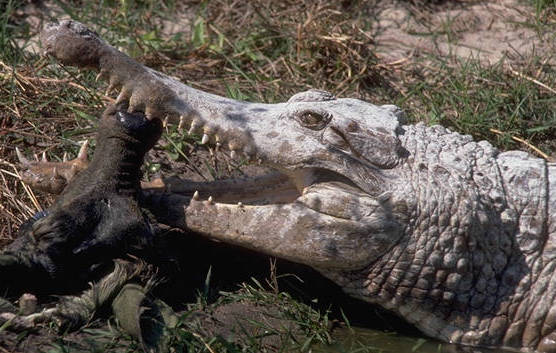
{"x": 96, "y": 218}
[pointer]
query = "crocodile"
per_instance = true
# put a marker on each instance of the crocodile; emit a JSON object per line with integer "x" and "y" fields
{"x": 95, "y": 219}
{"x": 453, "y": 235}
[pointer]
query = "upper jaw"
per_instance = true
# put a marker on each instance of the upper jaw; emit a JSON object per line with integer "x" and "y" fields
{"x": 269, "y": 132}
{"x": 219, "y": 120}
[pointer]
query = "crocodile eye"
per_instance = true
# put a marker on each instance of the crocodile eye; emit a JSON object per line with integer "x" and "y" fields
{"x": 313, "y": 120}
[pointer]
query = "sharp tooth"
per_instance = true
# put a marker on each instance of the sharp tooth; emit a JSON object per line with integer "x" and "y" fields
{"x": 21, "y": 157}
{"x": 65, "y": 157}
{"x": 210, "y": 200}
{"x": 194, "y": 125}
{"x": 101, "y": 74}
{"x": 83, "y": 151}
{"x": 110, "y": 88}
{"x": 182, "y": 122}
{"x": 205, "y": 139}
{"x": 114, "y": 82}
{"x": 43, "y": 159}
{"x": 165, "y": 121}
{"x": 196, "y": 196}
{"x": 123, "y": 96}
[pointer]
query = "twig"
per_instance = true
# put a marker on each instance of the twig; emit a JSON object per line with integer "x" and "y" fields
{"x": 205, "y": 343}
{"x": 26, "y": 187}
{"x": 519, "y": 74}
{"x": 518, "y": 139}
{"x": 25, "y": 133}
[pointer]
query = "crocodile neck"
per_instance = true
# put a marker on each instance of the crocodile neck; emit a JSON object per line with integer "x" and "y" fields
{"x": 551, "y": 174}
{"x": 473, "y": 255}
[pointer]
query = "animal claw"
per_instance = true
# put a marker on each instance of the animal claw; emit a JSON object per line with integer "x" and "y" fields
{"x": 196, "y": 196}
{"x": 52, "y": 177}
{"x": 21, "y": 157}
{"x": 121, "y": 97}
{"x": 82, "y": 155}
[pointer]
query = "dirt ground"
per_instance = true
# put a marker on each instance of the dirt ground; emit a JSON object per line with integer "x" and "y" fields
{"x": 401, "y": 30}
{"x": 486, "y": 30}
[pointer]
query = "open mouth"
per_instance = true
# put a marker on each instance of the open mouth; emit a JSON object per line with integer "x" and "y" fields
{"x": 271, "y": 188}
{"x": 326, "y": 149}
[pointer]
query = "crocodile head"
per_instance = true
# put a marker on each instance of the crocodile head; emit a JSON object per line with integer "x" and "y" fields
{"x": 313, "y": 130}
{"x": 326, "y": 204}
{"x": 314, "y": 134}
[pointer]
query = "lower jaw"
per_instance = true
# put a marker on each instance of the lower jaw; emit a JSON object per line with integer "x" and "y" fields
{"x": 272, "y": 188}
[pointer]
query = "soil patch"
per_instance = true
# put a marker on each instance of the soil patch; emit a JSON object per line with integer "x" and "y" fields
{"x": 486, "y": 30}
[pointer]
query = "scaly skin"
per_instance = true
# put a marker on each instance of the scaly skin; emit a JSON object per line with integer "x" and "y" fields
{"x": 453, "y": 235}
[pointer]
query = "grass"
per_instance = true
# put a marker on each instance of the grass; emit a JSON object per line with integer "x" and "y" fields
{"x": 300, "y": 327}
{"x": 476, "y": 99}
{"x": 312, "y": 325}
{"x": 262, "y": 51}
